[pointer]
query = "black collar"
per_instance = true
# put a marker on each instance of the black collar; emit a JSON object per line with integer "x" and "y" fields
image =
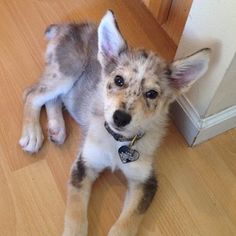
{"x": 121, "y": 138}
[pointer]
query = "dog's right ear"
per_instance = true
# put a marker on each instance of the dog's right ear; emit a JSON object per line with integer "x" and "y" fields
{"x": 110, "y": 40}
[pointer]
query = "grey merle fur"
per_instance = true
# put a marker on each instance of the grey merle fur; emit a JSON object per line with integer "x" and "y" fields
{"x": 78, "y": 173}
{"x": 149, "y": 190}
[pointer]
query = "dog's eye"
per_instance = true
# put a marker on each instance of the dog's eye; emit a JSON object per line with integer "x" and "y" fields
{"x": 152, "y": 94}
{"x": 119, "y": 81}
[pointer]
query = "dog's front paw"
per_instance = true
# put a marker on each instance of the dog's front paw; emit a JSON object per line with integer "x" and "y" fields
{"x": 56, "y": 131}
{"x": 32, "y": 138}
{"x": 119, "y": 229}
{"x": 73, "y": 229}
{"x": 116, "y": 231}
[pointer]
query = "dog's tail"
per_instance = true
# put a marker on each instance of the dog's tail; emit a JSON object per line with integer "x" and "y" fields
{"x": 52, "y": 31}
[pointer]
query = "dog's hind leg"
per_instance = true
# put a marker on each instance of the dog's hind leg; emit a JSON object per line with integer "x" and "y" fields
{"x": 56, "y": 123}
{"x": 49, "y": 88}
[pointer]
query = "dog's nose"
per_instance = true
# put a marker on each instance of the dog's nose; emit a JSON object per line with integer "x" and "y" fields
{"x": 121, "y": 118}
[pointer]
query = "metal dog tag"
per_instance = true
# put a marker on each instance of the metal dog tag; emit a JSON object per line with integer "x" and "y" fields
{"x": 128, "y": 154}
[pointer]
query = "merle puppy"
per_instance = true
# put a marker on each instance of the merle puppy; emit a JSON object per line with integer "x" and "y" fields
{"x": 120, "y": 97}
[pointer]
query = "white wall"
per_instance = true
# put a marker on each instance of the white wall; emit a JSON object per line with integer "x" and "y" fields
{"x": 209, "y": 108}
{"x": 225, "y": 95}
{"x": 211, "y": 23}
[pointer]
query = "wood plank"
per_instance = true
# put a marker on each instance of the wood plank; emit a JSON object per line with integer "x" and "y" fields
{"x": 164, "y": 11}
{"x": 171, "y": 15}
{"x": 161, "y": 43}
{"x": 31, "y": 203}
{"x": 177, "y": 18}
{"x": 7, "y": 213}
{"x": 160, "y": 9}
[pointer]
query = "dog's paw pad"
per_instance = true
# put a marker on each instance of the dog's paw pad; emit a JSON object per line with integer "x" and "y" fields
{"x": 56, "y": 131}
{"x": 31, "y": 139}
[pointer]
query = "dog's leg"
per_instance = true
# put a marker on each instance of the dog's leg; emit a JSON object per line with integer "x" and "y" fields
{"x": 137, "y": 201}
{"x": 82, "y": 178}
{"x": 56, "y": 123}
{"x": 47, "y": 89}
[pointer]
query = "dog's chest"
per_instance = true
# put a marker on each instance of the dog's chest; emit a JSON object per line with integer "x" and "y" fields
{"x": 100, "y": 149}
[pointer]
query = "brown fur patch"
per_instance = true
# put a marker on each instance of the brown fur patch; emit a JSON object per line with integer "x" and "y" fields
{"x": 123, "y": 105}
{"x": 78, "y": 173}
{"x": 109, "y": 86}
{"x": 149, "y": 190}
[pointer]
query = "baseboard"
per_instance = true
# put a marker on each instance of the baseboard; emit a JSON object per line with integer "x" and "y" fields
{"x": 196, "y": 129}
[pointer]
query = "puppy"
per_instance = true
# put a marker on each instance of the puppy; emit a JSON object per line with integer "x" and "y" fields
{"x": 120, "y": 97}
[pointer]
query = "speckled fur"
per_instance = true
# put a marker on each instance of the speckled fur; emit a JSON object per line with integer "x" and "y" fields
{"x": 81, "y": 64}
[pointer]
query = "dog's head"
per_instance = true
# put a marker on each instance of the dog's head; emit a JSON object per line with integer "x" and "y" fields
{"x": 138, "y": 85}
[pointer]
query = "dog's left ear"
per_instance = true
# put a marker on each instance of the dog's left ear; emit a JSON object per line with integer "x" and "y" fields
{"x": 184, "y": 72}
{"x": 110, "y": 40}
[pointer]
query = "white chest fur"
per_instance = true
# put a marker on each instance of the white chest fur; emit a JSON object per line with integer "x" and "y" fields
{"x": 100, "y": 151}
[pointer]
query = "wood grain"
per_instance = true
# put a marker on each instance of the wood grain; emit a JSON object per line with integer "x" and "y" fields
{"x": 177, "y": 18}
{"x": 171, "y": 15}
{"x": 197, "y": 186}
{"x": 160, "y": 9}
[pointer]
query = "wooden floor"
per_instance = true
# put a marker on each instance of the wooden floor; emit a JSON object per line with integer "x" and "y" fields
{"x": 197, "y": 186}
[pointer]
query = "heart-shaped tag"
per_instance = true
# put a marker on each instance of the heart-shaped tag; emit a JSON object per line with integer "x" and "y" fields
{"x": 128, "y": 154}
